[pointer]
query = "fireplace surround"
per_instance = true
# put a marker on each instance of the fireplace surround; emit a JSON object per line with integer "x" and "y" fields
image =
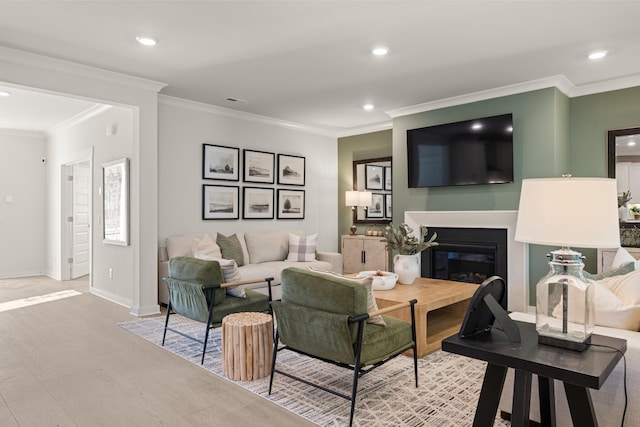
{"x": 516, "y": 274}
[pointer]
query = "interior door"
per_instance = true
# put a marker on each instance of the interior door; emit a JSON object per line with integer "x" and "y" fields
{"x": 81, "y": 219}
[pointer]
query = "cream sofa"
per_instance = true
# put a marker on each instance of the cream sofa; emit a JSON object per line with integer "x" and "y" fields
{"x": 264, "y": 254}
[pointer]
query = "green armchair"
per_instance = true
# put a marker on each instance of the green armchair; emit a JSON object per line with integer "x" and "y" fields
{"x": 197, "y": 291}
{"x": 325, "y": 317}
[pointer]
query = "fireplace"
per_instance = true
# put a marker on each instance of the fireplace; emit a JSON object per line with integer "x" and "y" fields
{"x": 466, "y": 255}
{"x": 513, "y": 267}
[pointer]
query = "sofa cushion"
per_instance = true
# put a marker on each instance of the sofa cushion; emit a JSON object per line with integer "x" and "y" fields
{"x": 179, "y": 246}
{"x": 626, "y": 287}
{"x": 206, "y": 248}
{"x": 368, "y": 285}
{"x": 270, "y": 246}
{"x": 302, "y": 248}
{"x": 231, "y": 248}
{"x": 622, "y": 257}
{"x": 230, "y": 271}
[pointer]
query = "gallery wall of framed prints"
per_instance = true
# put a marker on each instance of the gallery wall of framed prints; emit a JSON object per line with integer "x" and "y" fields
{"x": 260, "y": 171}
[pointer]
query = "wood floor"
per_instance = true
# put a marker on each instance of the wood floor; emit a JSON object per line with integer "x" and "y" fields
{"x": 67, "y": 363}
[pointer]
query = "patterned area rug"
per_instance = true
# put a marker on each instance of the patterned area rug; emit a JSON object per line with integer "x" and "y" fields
{"x": 447, "y": 395}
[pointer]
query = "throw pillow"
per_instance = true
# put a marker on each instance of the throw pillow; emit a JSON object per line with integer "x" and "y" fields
{"x": 230, "y": 248}
{"x": 622, "y": 257}
{"x": 205, "y": 247}
{"x": 626, "y": 287}
{"x": 624, "y": 269}
{"x": 270, "y": 246}
{"x": 230, "y": 272}
{"x": 367, "y": 283}
{"x": 302, "y": 248}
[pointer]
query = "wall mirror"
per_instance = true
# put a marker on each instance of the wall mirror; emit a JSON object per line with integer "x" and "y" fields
{"x": 374, "y": 175}
{"x": 623, "y": 161}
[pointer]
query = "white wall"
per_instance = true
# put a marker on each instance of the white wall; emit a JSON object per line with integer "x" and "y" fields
{"x": 79, "y": 141}
{"x": 185, "y": 126}
{"x": 23, "y": 203}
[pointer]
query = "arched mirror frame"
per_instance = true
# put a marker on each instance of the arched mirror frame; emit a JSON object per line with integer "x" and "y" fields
{"x": 359, "y": 174}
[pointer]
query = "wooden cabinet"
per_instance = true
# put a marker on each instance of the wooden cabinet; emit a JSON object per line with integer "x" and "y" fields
{"x": 362, "y": 253}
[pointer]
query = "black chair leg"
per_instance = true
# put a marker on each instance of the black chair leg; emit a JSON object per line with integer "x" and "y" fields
{"x": 273, "y": 359}
{"x": 354, "y": 391}
{"x": 206, "y": 332}
{"x": 166, "y": 321}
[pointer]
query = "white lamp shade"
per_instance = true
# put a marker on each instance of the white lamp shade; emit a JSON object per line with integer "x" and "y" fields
{"x": 577, "y": 212}
{"x": 364, "y": 198}
{"x": 351, "y": 198}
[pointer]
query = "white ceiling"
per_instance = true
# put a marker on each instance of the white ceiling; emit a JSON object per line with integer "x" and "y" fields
{"x": 309, "y": 62}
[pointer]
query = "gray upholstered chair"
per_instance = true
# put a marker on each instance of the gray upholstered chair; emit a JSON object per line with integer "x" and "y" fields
{"x": 197, "y": 291}
{"x": 325, "y": 316}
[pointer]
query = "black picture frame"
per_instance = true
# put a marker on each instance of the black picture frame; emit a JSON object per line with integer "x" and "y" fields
{"x": 220, "y": 202}
{"x": 374, "y": 177}
{"x": 259, "y": 166}
{"x": 220, "y": 162}
{"x": 376, "y": 209}
{"x": 388, "y": 209}
{"x": 387, "y": 178}
{"x": 291, "y": 170}
{"x": 257, "y": 203}
{"x": 291, "y": 204}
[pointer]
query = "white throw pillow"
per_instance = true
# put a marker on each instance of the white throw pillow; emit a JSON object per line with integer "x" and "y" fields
{"x": 270, "y": 246}
{"x": 626, "y": 287}
{"x": 367, "y": 283}
{"x": 302, "y": 248}
{"x": 206, "y": 247}
{"x": 231, "y": 273}
{"x": 622, "y": 257}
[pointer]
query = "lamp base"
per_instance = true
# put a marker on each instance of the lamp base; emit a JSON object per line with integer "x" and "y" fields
{"x": 566, "y": 344}
{"x": 353, "y": 229}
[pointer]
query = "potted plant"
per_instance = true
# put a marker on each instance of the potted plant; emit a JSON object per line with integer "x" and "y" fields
{"x": 636, "y": 212}
{"x": 408, "y": 246}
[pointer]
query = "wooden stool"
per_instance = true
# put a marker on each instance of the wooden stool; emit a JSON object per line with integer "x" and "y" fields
{"x": 247, "y": 345}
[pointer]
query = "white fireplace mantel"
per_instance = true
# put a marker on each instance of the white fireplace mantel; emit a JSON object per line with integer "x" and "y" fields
{"x": 517, "y": 253}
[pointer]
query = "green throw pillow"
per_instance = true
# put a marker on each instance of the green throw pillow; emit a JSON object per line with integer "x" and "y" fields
{"x": 623, "y": 269}
{"x": 230, "y": 248}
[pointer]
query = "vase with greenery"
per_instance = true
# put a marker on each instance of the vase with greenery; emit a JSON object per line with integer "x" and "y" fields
{"x": 402, "y": 240}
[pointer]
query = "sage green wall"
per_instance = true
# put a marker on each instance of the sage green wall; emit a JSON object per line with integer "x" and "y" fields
{"x": 358, "y": 147}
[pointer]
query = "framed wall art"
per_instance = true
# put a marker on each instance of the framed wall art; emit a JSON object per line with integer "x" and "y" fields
{"x": 257, "y": 203}
{"x": 220, "y": 202}
{"x": 374, "y": 177}
{"x": 115, "y": 197}
{"x": 220, "y": 162}
{"x": 387, "y": 178}
{"x": 376, "y": 209}
{"x": 259, "y": 166}
{"x": 290, "y": 204}
{"x": 387, "y": 206}
{"x": 291, "y": 169}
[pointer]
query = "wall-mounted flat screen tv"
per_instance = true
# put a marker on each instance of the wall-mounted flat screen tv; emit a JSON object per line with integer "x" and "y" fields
{"x": 471, "y": 152}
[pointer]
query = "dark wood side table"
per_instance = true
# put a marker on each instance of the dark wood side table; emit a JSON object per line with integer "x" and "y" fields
{"x": 579, "y": 371}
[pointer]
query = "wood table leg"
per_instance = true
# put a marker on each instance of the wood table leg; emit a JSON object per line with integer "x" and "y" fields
{"x": 489, "y": 396}
{"x": 580, "y": 406}
{"x": 521, "y": 398}
{"x": 547, "y": 395}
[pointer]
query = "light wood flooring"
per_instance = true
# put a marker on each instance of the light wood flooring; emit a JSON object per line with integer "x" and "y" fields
{"x": 68, "y": 363}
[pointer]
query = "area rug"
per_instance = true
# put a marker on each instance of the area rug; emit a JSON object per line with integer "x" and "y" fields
{"x": 447, "y": 395}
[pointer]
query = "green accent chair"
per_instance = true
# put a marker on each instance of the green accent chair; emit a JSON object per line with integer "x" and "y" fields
{"x": 197, "y": 291}
{"x": 325, "y": 317}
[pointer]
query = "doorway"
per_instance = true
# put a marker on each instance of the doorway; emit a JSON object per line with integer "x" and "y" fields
{"x": 76, "y": 217}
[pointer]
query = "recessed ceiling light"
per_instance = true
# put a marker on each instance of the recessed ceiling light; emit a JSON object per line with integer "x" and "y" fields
{"x": 597, "y": 54}
{"x": 4, "y": 93}
{"x": 368, "y": 107}
{"x": 476, "y": 126}
{"x": 380, "y": 51}
{"x": 147, "y": 40}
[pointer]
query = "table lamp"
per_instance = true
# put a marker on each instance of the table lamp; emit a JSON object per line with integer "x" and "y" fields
{"x": 355, "y": 199}
{"x": 567, "y": 211}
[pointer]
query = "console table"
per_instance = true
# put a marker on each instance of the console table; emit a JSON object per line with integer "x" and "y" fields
{"x": 579, "y": 371}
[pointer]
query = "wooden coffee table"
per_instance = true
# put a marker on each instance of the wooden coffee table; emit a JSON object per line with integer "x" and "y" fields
{"x": 439, "y": 312}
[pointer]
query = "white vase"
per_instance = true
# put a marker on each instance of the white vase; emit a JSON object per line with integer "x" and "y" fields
{"x": 406, "y": 267}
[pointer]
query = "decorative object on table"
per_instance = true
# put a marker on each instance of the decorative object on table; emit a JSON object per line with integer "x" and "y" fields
{"x": 355, "y": 199}
{"x": 115, "y": 185}
{"x": 220, "y": 162}
{"x": 290, "y": 204}
{"x": 408, "y": 246}
{"x": 291, "y": 169}
{"x": 259, "y": 166}
{"x": 380, "y": 280}
{"x": 636, "y": 212}
{"x": 564, "y": 298}
{"x": 220, "y": 202}
{"x": 258, "y": 203}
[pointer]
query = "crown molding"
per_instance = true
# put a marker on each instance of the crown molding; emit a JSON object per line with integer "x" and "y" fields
{"x": 376, "y": 127}
{"x": 54, "y": 64}
{"x": 94, "y": 110}
{"x": 241, "y": 115}
{"x": 22, "y": 133}
{"x": 606, "y": 86}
